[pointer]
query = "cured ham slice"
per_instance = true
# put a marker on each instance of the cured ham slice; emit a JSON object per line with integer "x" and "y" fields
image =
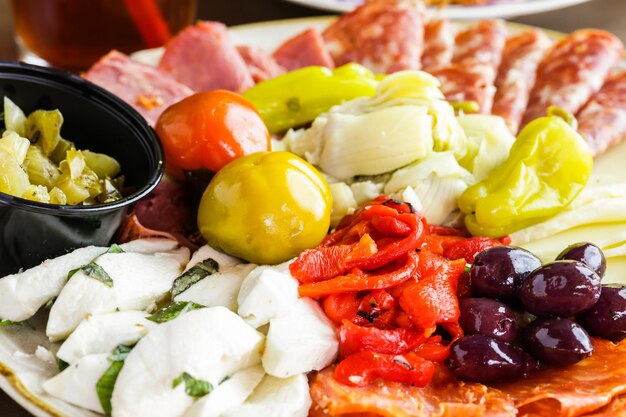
{"x": 602, "y": 122}
{"x": 147, "y": 89}
{"x": 262, "y": 66}
{"x": 444, "y": 396}
{"x": 574, "y": 390}
{"x": 480, "y": 47}
{"x": 466, "y": 84}
{"x": 572, "y": 71}
{"x": 303, "y": 50}
{"x": 438, "y": 44}
{"x": 203, "y": 58}
{"x": 384, "y": 35}
{"x": 516, "y": 76}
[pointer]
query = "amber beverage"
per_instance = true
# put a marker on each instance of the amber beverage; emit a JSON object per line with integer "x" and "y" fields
{"x": 73, "y": 34}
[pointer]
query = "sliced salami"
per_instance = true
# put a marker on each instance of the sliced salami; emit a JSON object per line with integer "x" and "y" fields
{"x": 262, "y": 66}
{"x": 303, "y": 50}
{"x": 572, "y": 71}
{"x": 516, "y": 76}
{"x": 480, "y": 47}
{"x": 146, "y": 88}
{"x": 602, "y": 121}
{"x": 384, "y": 35}
{"x": 460, "y": 83}
{"x": 438, "y": 44}
{"x": 203, "y": 58}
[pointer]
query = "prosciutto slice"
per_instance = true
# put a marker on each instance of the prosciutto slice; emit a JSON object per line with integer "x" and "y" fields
{"x": 516, "y": 76}
{"x": 602, "y": 122}
{"x": 572, "y": 71}
{"x": 384, "y": 35}
{"x": 203, "y": 58}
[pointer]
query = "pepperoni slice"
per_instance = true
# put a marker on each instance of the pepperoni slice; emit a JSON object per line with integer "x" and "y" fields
{"x": 516, "y": 76}
{"x": 572, "y": 71}
{"x": 602, "y": 122}
{"x": 384, "y": 35}
{"x": 438, "y": 44}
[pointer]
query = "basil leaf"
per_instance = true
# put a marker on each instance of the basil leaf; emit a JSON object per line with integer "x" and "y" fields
{"x": 6, "y": 323}
{"x": 104, "y": 386}
{"x": 120, "y": 353}
{"x": 115, "y": 248}
{"x": 62, "y": 365}
{"x": 195, "y": 388}
{"x": 194, "y": 274}
{"x": 173, "y": 310}
{"x": 72, "y": 272}
{"x": 49, "y": 304}
{"x": 95, "y": 271}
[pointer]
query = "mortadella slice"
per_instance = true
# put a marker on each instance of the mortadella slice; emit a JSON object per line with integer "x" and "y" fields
{"x": 572, "y": 71}
{"x": 203, "y": 58}
{"x": 384, "y": 35}
{"x": 516, "y": 76}
{"x": 262, "y": 65}
{"x": 602, "y": 122}
{"x": 438, "y": 44}
{"x": 147, "y": 89}
{"x": 303, "y": 50}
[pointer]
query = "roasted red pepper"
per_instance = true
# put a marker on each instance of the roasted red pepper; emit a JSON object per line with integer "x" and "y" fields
{"x": 340, "y": 307}
{"x": 468, "y": 248}
{"x": 362, "y": 368}
{"x": 353, "y": 338}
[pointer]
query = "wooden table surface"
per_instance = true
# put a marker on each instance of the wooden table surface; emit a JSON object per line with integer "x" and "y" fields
{"x": 604, "y": 14}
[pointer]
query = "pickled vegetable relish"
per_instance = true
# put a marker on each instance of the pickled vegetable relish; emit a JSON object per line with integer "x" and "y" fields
{"x": 37, "y": 164}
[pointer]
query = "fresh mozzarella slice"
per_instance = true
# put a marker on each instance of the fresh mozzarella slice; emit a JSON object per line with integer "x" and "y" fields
{"x": 219, "y": 289}
{"x": 21, "y": 295}
{"x": 209, "y": 344}
{"x": 207, "y": 252}
{"x": 276, "y": 397}
{"x": 228, "y": 394}
{"x": 149, "y": 246}
{"x": 101, "y": 333}
{"x": 139, "y": 281}
{"x": 301, "y": 341}
{"x": 77, "y": 383}
{"x": 267, "y": 292}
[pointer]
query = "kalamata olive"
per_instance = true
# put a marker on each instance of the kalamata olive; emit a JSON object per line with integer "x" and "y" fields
{"x": 557, "y": 341}
{"x": 483, "y": 359}
{"x": 561, "y": 288}
{"x": 488, "y": 317}
{"x": 587, "y": 253}
{"x": 498, "y": 272}
{"x": 607, "y": 318}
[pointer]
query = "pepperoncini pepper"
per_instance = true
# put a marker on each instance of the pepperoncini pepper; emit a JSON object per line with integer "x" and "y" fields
{"x": 298, "y": 97}
{"x": 548, "y": 165}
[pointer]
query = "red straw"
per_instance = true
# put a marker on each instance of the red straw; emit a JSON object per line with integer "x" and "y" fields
{"x": 149, "y": 21}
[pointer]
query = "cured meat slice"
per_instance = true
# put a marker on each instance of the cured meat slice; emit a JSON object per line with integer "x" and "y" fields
{"x": 438, "y": 44}
{"x": 303, "y": 50}
{"x": 602, "y": 122}
{"x": 444, "y": 396}
{"x": 572, "y": 71}
{"x": 516, "y": 76}
{"x": 203, "y": 58}
{"x": 466, "y": 84}
{"x": 384, "y": 35}
{"x": 262, "y": 66}
{"x": 574, "y": 390}
{"x": 480, "y": 47}
{"x": 147, "y": 89}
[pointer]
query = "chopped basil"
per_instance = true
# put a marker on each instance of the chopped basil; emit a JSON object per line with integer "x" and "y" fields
{"x": 95, "y": 271}
{"x": 104, "y": 386}
{"x": 6, "y": 323}
{"x": 106, "y": 383}
{"x": 193, "y": 387}
{"x": 173, "y": 310}
{"x": 196, "y": 273}
{"x": 62, "y": 365}
{"x": 115, "y": 248}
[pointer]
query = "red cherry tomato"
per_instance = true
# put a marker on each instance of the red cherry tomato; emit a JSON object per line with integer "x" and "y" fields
{"x": 209, "y": 130}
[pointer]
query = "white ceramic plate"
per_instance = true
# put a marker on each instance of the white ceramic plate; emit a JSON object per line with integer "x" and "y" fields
{"x": 22, "y": 373}
{"x": 502, "y": 9}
